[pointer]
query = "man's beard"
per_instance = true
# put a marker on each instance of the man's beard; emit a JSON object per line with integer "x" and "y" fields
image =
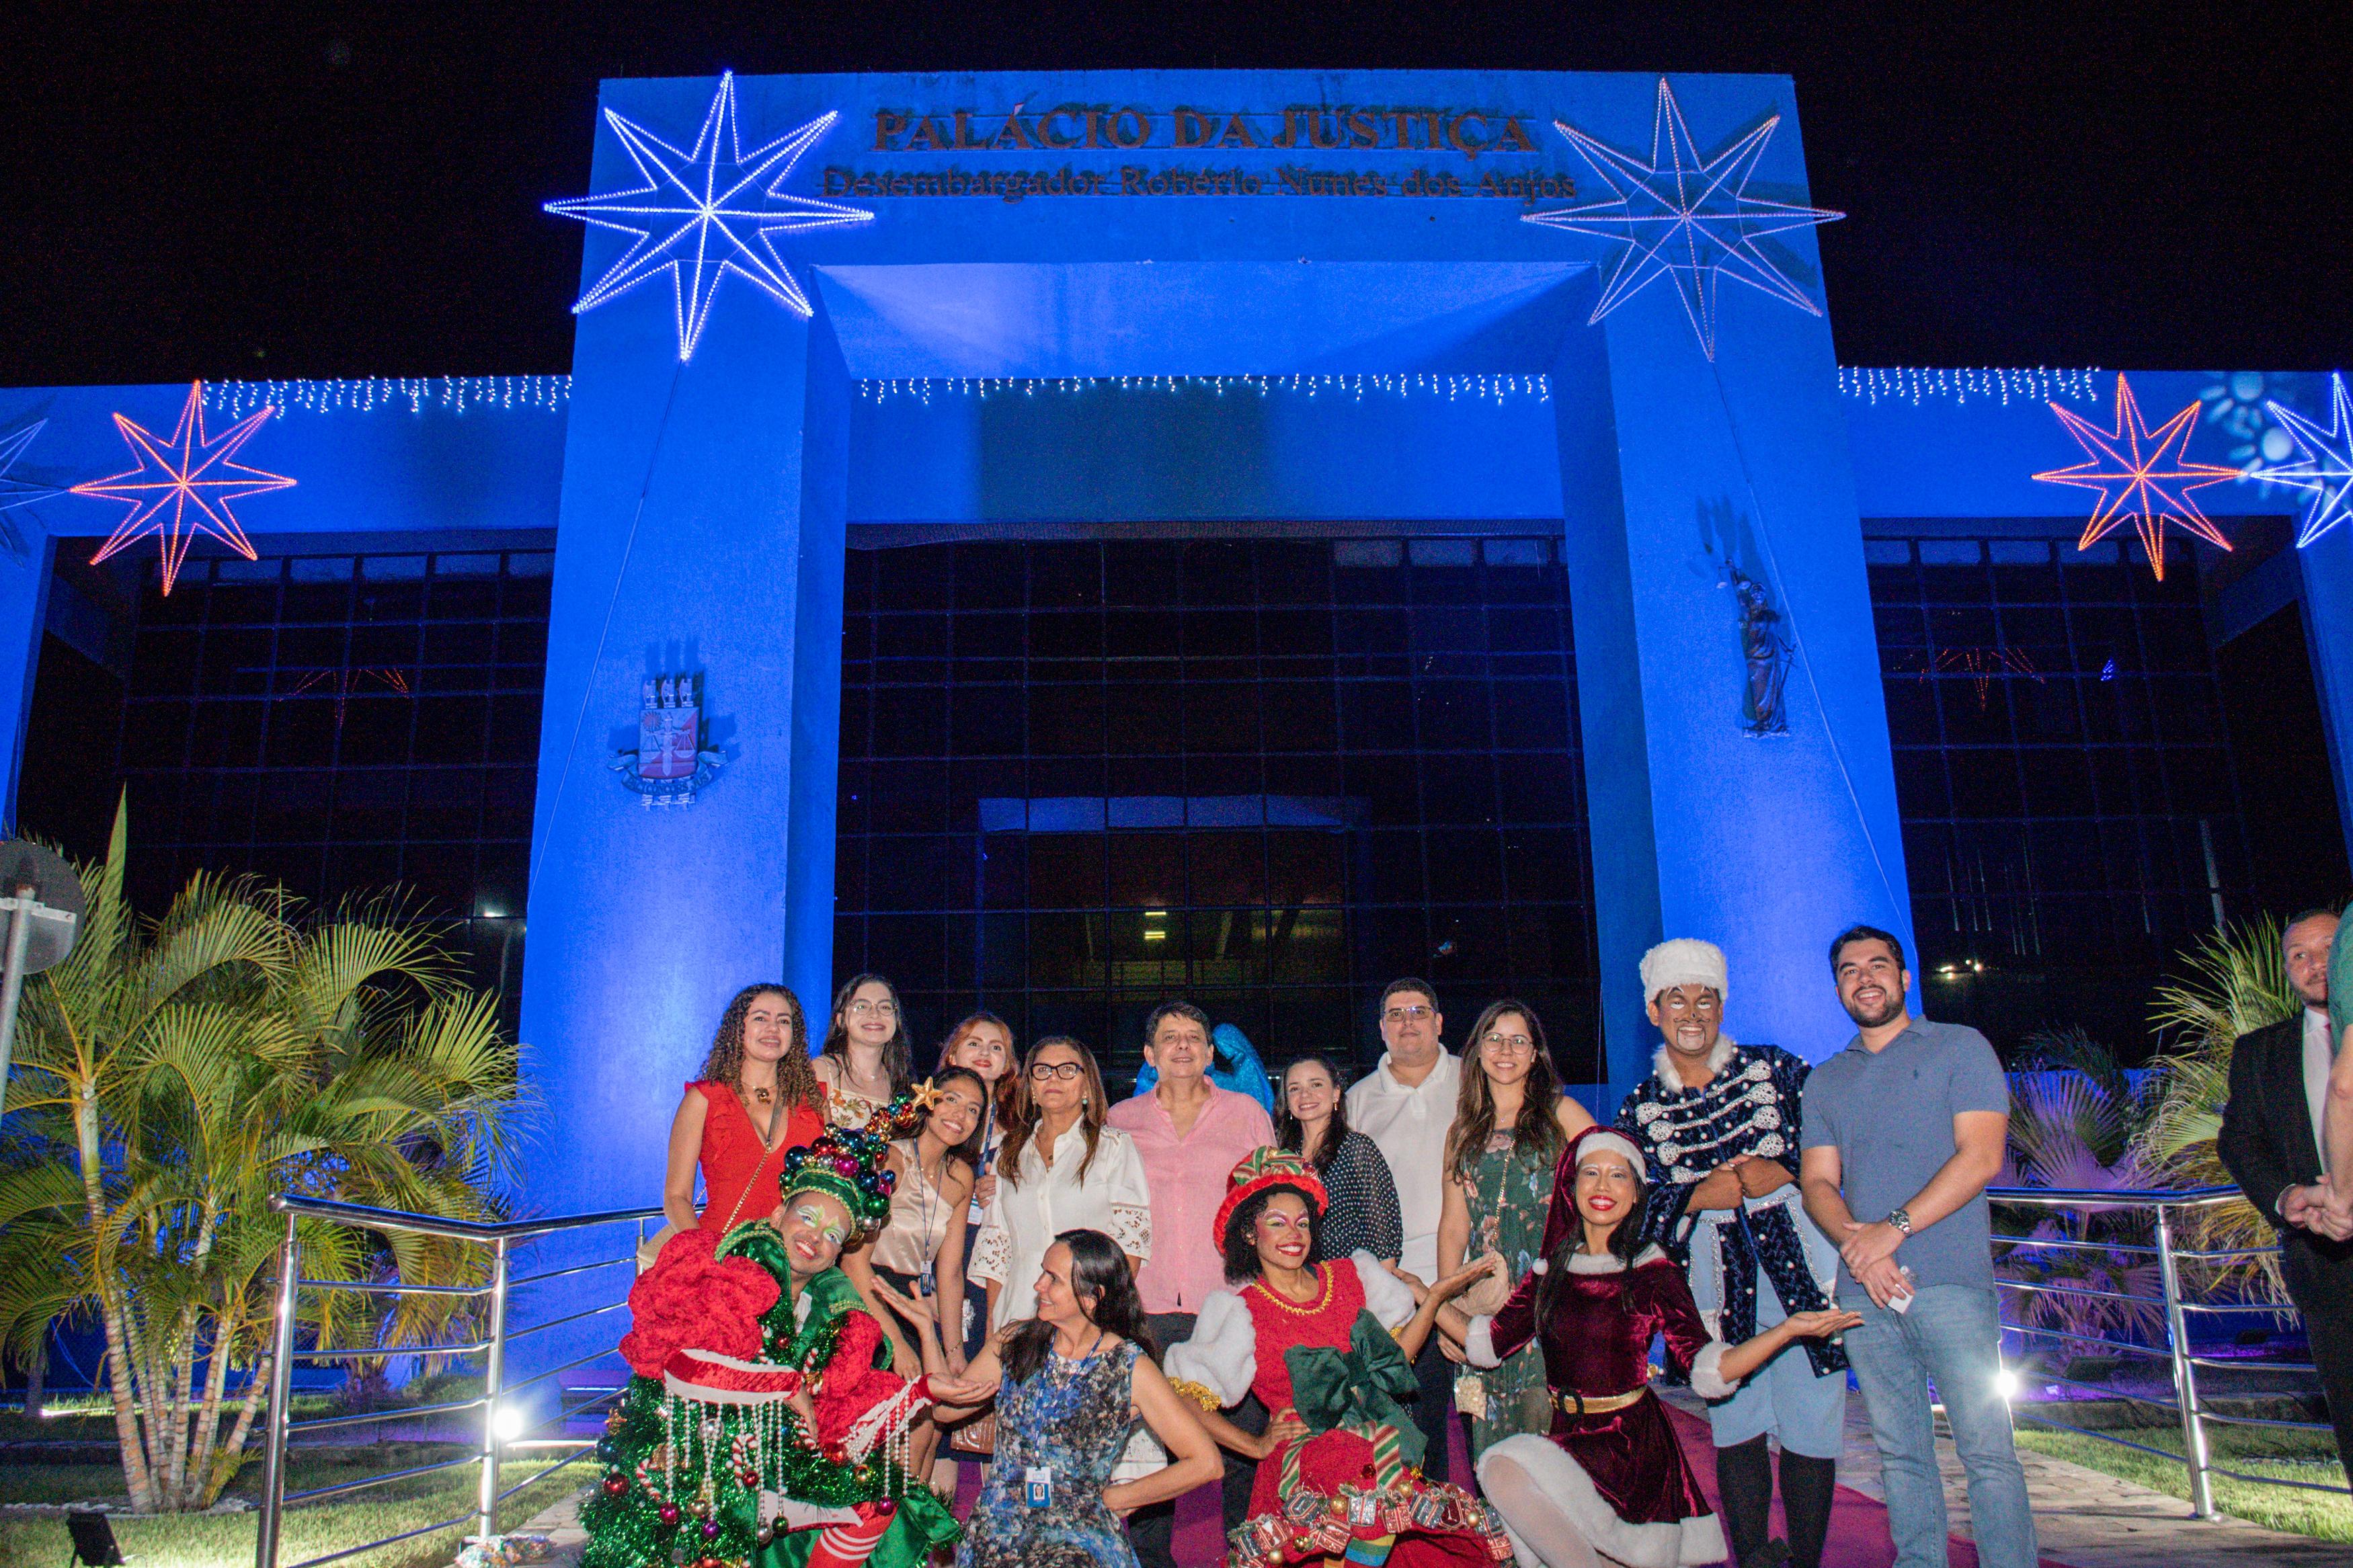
{"x": 1889, "y": 1006}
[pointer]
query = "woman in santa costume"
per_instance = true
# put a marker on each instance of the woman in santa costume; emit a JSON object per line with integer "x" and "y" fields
{"x": 1610, "y": 1484}
{"x": 1328, "y": 1348}
{"x": 763, "y": 1427}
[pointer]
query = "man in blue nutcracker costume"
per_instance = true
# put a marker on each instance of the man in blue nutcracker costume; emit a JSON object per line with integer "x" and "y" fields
{"x": 1718, "y": 1123}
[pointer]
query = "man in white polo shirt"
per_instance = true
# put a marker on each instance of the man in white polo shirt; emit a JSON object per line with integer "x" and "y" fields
{"x": 1406, "y": 1106}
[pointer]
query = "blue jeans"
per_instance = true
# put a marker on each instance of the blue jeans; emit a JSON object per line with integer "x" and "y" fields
{"x": 1952, "y": 1335}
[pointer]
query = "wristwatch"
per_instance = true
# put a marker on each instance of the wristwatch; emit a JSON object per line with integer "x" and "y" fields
{"x": 1900, "y": 1220}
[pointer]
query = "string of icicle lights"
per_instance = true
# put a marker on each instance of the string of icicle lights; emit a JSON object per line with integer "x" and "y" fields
{"x": 451, "y": 393}
{"x": 1915, "y": 384}
{"x": 1356, "y": 388}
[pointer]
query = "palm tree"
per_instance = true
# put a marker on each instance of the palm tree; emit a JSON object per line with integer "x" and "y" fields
{"x": 2237, "y": 983}
{"x": 183, "y": 1071}
{"x": 2072, "y": 1115}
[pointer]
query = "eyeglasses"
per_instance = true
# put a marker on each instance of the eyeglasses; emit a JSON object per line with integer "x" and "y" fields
{"x": 1406, "y": 1015}
{"x": 1042, "y": 1072}
{"x": 1512, "y": 1043}
{"x": 872, "y": 1010}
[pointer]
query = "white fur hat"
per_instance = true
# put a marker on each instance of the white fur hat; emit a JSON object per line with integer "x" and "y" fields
{"x": 1686, "y": 960}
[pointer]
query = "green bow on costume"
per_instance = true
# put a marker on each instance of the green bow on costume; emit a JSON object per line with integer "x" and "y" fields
{"x": 1362, "y": 1387}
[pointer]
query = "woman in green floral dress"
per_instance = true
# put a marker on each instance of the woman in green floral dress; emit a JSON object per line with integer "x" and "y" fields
{"x": 1511, "y": 1123}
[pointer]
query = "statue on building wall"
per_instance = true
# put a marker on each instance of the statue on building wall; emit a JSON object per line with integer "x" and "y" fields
{"x": 1766, "y": 649}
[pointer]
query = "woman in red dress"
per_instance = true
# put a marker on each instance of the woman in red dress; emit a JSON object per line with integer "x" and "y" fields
{"x": 1610, "y": 1484}
{"x": 1328, "y": 1348}
{"x": 754, "y": 1098}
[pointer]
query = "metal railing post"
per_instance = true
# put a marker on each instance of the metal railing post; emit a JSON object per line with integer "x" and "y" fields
{"x": 281, "y": 1389}
{"x": 493, "y": 1381}
{"x": 2185, "y": 1372}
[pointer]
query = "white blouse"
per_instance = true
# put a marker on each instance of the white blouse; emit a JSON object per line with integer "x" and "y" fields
{"x": 1027, "y": 1215}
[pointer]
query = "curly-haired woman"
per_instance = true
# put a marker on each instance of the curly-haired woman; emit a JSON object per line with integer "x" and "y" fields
{"x": 754, "y": 1098}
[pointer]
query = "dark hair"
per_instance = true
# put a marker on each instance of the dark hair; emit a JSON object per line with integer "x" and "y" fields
{"x": 1023, "y": 1120}
{"x": 2317, "y": 912}
{"x": 1241, "y": 1251}
{"x": 1538, "y": 1127}
{"x": 1407, "y": 982}
{"x": 1176, "y": 1008}
{"x": 1865, "y": 934}
{"x": 1625, "y": 1242}
{"x": 969, "y": 1149}
{"x": 1289, "y": 1134}
{"x": 796, "y": 1081}
{"x": 1098, "y": 1269}
{"x": 898, "y": 1056}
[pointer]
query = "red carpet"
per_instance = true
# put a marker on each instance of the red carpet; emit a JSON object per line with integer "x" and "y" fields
{"x": 1859, "y": 1536}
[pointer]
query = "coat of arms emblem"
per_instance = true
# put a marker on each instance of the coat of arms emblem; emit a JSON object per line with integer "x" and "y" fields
{"x": 670, "y": 763}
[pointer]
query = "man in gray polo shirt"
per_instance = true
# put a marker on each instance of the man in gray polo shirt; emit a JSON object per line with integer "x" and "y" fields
{"x": 1903, "y": 1130}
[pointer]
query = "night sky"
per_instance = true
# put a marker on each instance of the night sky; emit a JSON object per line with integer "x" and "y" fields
{"x": 328, "y": 190}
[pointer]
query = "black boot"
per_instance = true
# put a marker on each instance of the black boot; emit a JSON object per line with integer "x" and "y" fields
{"x": 1807, "y": 1487}
{"x": 1744, "y": 1478}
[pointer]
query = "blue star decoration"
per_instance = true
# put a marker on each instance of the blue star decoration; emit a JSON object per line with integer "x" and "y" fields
{"x": 17, "y": 493}
{"x": 705, "y": 212}
{"x": 183, "y": 485}
{"x": 1684, "y": 217}
{"x": 2325, "y": 469}
{"x": 2141, "y": 475}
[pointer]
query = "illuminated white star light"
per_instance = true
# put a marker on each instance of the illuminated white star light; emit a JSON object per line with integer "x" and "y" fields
{"x": 2327, "y": 469}
{"x": 1684, "y": 217}
{"x": 706, "y": 212}
{"x": 15, "y": 493}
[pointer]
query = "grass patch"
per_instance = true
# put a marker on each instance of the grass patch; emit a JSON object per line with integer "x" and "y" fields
{"x": 227, "y": 1541}
{"x": 2290, "y": 1456}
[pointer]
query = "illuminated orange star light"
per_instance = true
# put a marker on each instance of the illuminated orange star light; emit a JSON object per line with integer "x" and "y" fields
{"x": 2142, "y": 477}
{"x": 183, "y": 486}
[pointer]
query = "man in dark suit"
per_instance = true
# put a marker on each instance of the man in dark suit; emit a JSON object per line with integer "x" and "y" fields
{"x": 2270, "y": 1140}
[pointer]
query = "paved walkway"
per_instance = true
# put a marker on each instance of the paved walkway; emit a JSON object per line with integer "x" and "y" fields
{"x": 2085, "y": 1519}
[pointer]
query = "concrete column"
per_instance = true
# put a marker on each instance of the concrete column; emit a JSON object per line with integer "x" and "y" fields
{"x": 2327, "y": 568}
{"x": 701, "y": 531}
{"x": 1671, "y": 467}
{"x": 23, "y": 611}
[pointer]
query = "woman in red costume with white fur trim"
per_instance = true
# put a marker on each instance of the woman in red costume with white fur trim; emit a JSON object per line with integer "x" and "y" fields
{"x": 1608, "y": 1484}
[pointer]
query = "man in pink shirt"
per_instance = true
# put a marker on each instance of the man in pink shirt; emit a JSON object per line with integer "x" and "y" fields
{"x": 1190, "y": 1134}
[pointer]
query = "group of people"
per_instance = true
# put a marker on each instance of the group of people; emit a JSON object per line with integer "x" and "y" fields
{"x": 1296, "y": 1291}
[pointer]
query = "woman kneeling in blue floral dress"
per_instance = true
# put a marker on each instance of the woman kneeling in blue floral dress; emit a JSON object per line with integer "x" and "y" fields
{"x": 1070, "y": 1385}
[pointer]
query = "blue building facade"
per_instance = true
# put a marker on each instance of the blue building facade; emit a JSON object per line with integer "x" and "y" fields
{"x": 1103, "y": 535}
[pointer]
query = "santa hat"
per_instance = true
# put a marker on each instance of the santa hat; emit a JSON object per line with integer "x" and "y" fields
{"x": 1686, "y": 960}
{"x": 1260, "y": 1170}
{"x": 1560, "y": 1217}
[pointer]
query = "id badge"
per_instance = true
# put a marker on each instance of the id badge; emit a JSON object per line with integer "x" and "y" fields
{"x": 923, "y": 1280}
{"x": 1038, "y": 1481}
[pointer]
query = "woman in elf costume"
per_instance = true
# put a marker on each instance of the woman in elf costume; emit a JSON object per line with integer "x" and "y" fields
{"x": 1328, "y": 1348}
{"x": 763, "y": 1427}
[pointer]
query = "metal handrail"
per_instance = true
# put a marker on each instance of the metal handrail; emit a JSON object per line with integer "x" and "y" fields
{"x": 2172, "y": 1302}
{"x": 504, "y": 1239}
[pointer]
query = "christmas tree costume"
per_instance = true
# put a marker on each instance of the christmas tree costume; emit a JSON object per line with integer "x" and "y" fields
{"x": 708, "y": 1463}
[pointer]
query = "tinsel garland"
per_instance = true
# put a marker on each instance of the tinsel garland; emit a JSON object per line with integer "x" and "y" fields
{"x": 682, "y": 1479}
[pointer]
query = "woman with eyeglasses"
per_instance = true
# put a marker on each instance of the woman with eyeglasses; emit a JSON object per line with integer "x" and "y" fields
{"x": 1511, "y": 1123}
{"x": 866, "y": 1062}
{"x": 1059, "y": 1169}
